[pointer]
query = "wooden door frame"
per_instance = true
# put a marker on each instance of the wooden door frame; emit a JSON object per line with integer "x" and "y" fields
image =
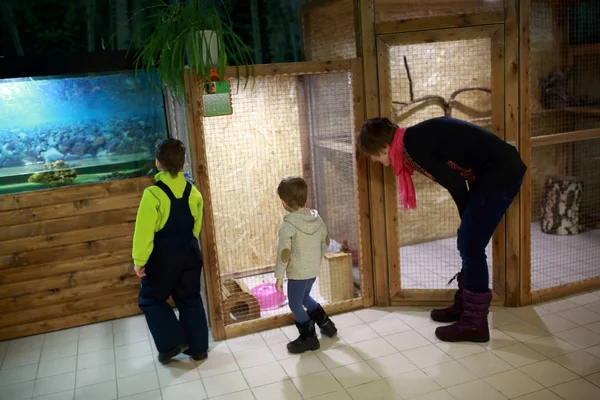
{"x": 494, "y": 32}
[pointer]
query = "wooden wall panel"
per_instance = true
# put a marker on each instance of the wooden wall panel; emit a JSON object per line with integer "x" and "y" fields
{"x": 65, "y": 257}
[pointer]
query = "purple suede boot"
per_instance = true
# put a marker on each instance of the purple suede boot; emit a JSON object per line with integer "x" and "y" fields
{"x": 452, "y": 313}
{"x": 473, "y": 324}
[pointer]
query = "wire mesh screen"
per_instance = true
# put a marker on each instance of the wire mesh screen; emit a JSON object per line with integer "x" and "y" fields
{"x": 565, "y": 100}
{"x": 276, "y": 130}
{"x": 179, "y": 128}
{"x": 329, "y": 32}
{"x": 434, "y": 71}
{"x": 392, "y": 10}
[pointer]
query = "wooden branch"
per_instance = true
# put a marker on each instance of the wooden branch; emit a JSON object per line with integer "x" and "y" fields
{"x": 410, "y": 82}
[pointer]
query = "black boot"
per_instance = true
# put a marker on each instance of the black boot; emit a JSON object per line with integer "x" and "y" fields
{"x": 307, "y": 339}
{"x": 200, "y": 356}
{"x": 165, "y": 357}
{"x": 322, "y": 320}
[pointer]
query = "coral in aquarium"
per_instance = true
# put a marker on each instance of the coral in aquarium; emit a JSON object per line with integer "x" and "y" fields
{"x": 54, "y": 178}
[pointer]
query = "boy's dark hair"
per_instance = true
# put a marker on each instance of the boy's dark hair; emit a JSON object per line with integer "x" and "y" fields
{"x": 294, "y": 191}
{"x": 170, "y": 153}
{"x": 375, "y": 134}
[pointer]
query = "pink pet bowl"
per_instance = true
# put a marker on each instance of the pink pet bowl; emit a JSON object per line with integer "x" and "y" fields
{"x": 268, "y": 297}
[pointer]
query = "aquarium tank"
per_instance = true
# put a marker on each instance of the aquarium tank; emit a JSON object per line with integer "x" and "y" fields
{"x": 71, "y": 130}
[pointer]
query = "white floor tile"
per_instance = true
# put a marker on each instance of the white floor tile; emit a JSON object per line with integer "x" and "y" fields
{"x": 285, "y": 390}
{"x": 91, "y": 376}
{"x": 17, "y": 375}
{"x": 369, "y": 315}
{"x": 523, "y": 331}
{"x": 438, "y": 395}
{"x": 394, "y": 364}
{"x": 355, "y": 374}
{"x": 130, "y": 336}
{"x": 427, "y": 356}
{"x": 25, "y": 344}
{"x": 583, "y": 299}
{"x": 553, "y": 323}
{"x": 243, "y": 395}
{"x": 96, "y": 343}
{"x": 95, "y": 359}
{"x": 475, "y": 390}
{"x": 150, "y": 395}
{"x": 485, "y": 364}
{"x": 19, "y": 391}
{"x": 254, "y": 357}
{"x": 407, "y": 340}
{"x": 177, "y": 372}
{"x": 503, "y": 317}
{"x": 129, "y": 323}
{"x": 346, "y": 320}
{"x": 135, "y": 366}
{"x": 580, "y": 316}
{"x": 373, "y": 348}
{"x": 61, "y": 337}
{"x": 460, "y": 350}
{"x": 513, "y": 383}
{"x": 66, "y": 395}
{"x": 189, "y": 390}
{"x": 594, "y": 378}
{"x": 558, "y": 306}
{"x": 218, "y": 349}
{"x": 53, "y": 384}
{"x": 550, "y": 346}
{"x": 548, "y": 373}
{"x": 21, "y": 359}
{"x": 306, "y": 364}
{"x": 246, "y": 343}
{"x": 59, "y": 351}
{"x": 580, "y": 337}
{"x": 389, "y": 326}
{"x": 100, "y": 391}
{"x": 338, "y": 357}
{"x": 264, "y": 374}
{"x": 529, "y": 312}
{"x": 577, "y": 390}
{"x": 378, "y": 390}
{"x": 225, "y": 384}
{"x": 580, "y": 362}
{"x": 595, "y": 327}
{"x": 133, "y": 350}
{"x": 343, "y": 395}
{"x": 519, "y": 355}
{"x": 316, "y": 384}
{"x": 274, "y": 336}
{"x": 449, "y": 374}
{"x": 100, "y": 329}
{"x": 356, "y": 334}
{"x": 137, "y": 384}
{"x": 57, "y": 367}
{"x": 213, "y": 366}
{"x": 544, "y": 394}
{"x": 412, "y": 384}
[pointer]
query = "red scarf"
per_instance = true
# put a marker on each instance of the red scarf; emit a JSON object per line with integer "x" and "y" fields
{"x": 403, "y": 171}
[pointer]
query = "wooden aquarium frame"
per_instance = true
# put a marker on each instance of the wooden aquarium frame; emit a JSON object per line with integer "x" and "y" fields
{"x": 209, "y": 242}
{"x": 65, "y": 256}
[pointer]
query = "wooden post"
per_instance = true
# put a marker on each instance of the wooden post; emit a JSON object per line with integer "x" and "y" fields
{"x": 208, "y": 240}
{"x": 512, "y": 217}
{"x": 365, "y": 40}
{"x": 525, "y": 150}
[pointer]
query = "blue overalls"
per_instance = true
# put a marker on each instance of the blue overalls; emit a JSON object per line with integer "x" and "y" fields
{"x": 173, "y": 269}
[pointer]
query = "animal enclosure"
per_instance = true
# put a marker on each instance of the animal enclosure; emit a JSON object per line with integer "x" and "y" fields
{"x": 424, "y": 75}
{"x": 565, "y": 154}
{"x": 300, "y": 123}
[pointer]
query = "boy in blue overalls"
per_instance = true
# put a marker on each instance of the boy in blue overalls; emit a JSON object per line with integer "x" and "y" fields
{"x": 167, "y": 257}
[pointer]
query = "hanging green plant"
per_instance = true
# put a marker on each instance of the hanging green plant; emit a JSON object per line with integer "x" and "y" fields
{"x": 194, "y": 34}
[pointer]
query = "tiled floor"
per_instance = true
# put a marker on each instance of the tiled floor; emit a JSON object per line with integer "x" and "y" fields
{"x": 555, "y": 260}
{"x": 546, "y": 352}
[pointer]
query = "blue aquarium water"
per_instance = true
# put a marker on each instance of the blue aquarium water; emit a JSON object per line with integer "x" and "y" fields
{"x": 67, "y": 130}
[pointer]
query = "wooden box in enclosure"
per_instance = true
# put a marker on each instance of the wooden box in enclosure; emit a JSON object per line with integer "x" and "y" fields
{"x": 336, "y": 281}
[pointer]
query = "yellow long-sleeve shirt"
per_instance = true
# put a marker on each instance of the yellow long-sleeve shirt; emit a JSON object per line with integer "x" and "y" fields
{"x": 153, "y": 214}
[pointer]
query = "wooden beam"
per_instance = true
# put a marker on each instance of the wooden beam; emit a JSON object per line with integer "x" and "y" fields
{"x": 437, "y": 296}
{"x": 567, "y": 137}
{"x": 498, "y": 127}
{"x": 208, "y": 239}
{"x": 296, "y": 68}
{"x": 266, "y": 269}
{"x": 525, "y": 150}
{"x": 439, "y": 22}
{"x": 511, "y": 115}
{"x": 441, "y": 35}
{"x": 262, "y": 324}
{"x": 366, "y": 48}
{"x": 568, "y": 289}
{"x": 362, "y": 189}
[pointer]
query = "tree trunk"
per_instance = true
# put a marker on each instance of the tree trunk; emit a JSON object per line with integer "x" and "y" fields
{"x": 562, "y": 200}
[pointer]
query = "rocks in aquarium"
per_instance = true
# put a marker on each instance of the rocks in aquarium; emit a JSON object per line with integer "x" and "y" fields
{"x": 73, "y": 157}
{"x": 54, "y": 178}
{"x": 52, "y": 155}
